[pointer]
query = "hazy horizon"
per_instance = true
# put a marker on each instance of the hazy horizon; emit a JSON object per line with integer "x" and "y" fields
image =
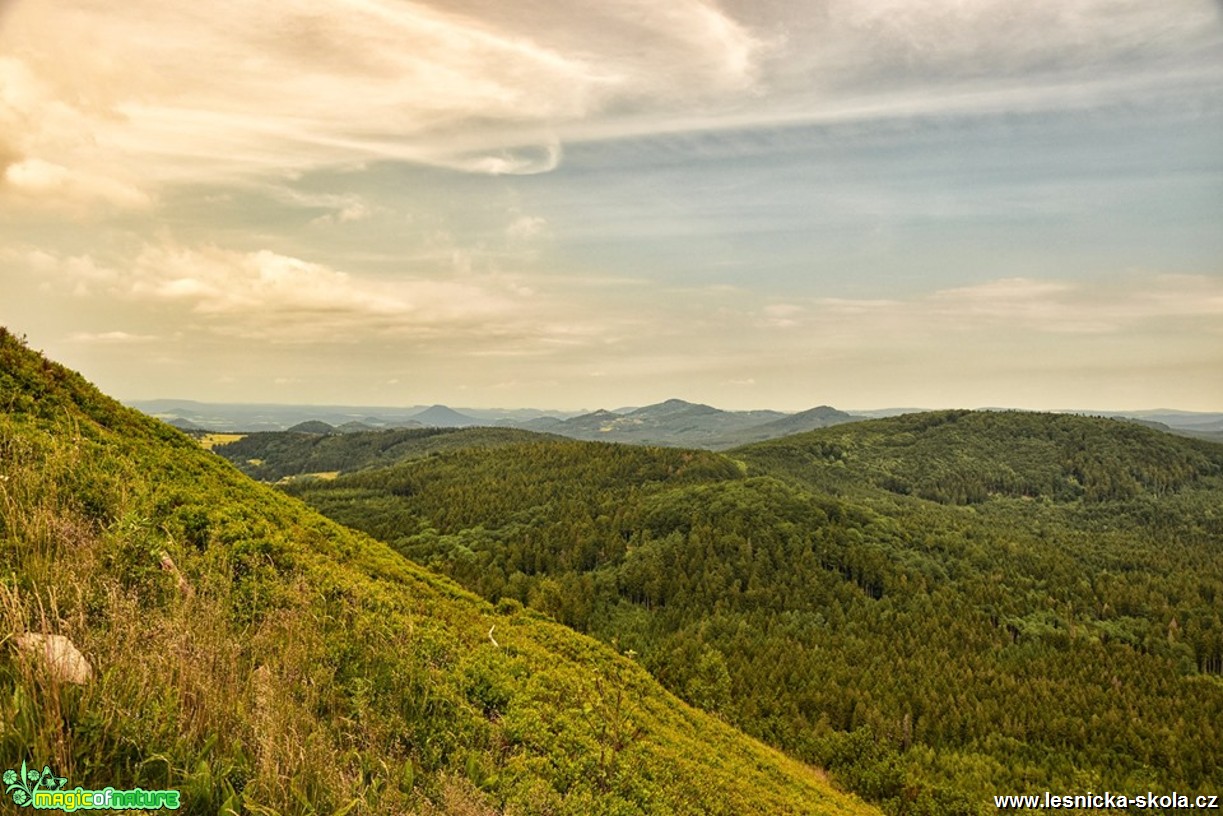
{"x": 750, "y": 205}
{"x": 625, "y": 407}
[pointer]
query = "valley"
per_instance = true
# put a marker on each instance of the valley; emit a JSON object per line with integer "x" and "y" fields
{"x": 910, "y": 602}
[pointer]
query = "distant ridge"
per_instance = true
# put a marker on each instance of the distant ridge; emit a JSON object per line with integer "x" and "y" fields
{"x": 356, "y": 427}
{"x": 677, "y": 422}
{"x": 672, "y": 407}
{"x": 822, "y": 416}
{"x": 312, "y": 426}
{"x": 672, "y": 422}
{"x": 245, "y": 417}
{"x": 545, "y": 423}
{"x": 441, "y": 416}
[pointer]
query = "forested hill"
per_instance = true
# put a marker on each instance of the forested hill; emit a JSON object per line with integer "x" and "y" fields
{"x": 264, "y": 660}
{"x": 937, "y": 607}
{"x": 968, "y": 457}
{"x": 273, "y": 455}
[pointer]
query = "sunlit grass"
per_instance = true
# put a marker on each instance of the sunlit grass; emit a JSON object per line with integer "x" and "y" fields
{"x": 211, "y": 440}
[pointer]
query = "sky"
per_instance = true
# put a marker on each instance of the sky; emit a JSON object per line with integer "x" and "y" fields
{"x": 558, "y": 204}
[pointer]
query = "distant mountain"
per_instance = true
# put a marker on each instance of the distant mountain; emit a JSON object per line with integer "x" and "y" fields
{"x": 231, "y": 417}
{"x": 822, "y": 416}
{"x": 589, "y": 426}
{"x": 359, "y": 427}
{"x": 884, "y": 413}
{"x": 312, "y": 426}
{"x": 440, "y": 416}
{"x": 674, "y": 408}
{"x": 1179, "y": 420}
{"x": 676, "y": 422}
{"x": 672, "y": 422}
{"x": 1195, "y": 424}
{"x": 543, "y": 423}
{"x": 514, "y": 415}
{"x": 1202, "y": 425}
{"x": 315, "y": 446}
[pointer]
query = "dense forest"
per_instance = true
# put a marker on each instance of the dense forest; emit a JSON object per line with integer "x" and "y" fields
{"x": 246, "y": 651}
{"x": 273, "y": 455}
{"x": 937, "y": 607}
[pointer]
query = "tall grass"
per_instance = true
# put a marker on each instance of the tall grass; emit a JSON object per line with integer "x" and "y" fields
{"x": 182, "y": 697}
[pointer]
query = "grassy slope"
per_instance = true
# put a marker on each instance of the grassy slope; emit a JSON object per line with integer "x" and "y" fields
{"x": 306, "y": 668}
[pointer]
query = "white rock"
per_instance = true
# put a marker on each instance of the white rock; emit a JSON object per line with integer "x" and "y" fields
{"x": 167, "y": 564}
{"x": 65, "y": 661}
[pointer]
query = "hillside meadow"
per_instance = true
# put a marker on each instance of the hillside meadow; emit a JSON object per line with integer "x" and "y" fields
{"x": 265, "y": 660}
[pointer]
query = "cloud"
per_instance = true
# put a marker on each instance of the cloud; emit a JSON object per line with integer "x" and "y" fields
{"x": 1051, "y": 307}
{"x": 216, "y": 281}
{"x": 342, "y": 208}
{"x": 268, "y": 295}
{"x": 871, "y": 48}
{"x": 848, "y": 61}
{"x": 109, "y": 104}
{"x": 345, "y": 215}
{"x": 1124, "y": 340}
{"x": 516, "y": 161}
{"x": 126, "y": 99}
{"x": 924, "y": 38}
{"x": 265, "y": 295}
{"x": 40, "y": 180}
{"x": 111, "y": 337}
{"x": 34, "y": 119}
{"x": 525, "y": 227}
{"x": 781, "y": 315}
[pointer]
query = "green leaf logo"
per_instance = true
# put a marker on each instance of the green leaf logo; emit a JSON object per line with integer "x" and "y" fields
{"x": 22, "y": 785}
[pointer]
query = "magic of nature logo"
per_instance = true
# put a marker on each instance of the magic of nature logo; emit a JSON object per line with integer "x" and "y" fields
{"x": 44, "y": 790}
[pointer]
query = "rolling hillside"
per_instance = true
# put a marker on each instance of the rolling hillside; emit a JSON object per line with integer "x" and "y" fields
{"x": 971, "y": 457}
{"x": 822, "y": 416}
{"x": 265, "y": 660}
{"x": 937, "y": 607}
{"x": 679, "y": 423}
{"x": 274, "y": 455}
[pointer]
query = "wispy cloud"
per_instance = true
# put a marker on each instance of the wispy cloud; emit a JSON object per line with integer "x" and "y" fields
{"x": 35, "y": 181}
{"x": 112, "y": 102}
{"x": 111, "y": 337}
{"x": 974, "y": 177}
{"x": 108, "y": 103}
{"x": 526, "y": 227}
{"x": 1011, "y": 305}
{"x": 265, "y": 295}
